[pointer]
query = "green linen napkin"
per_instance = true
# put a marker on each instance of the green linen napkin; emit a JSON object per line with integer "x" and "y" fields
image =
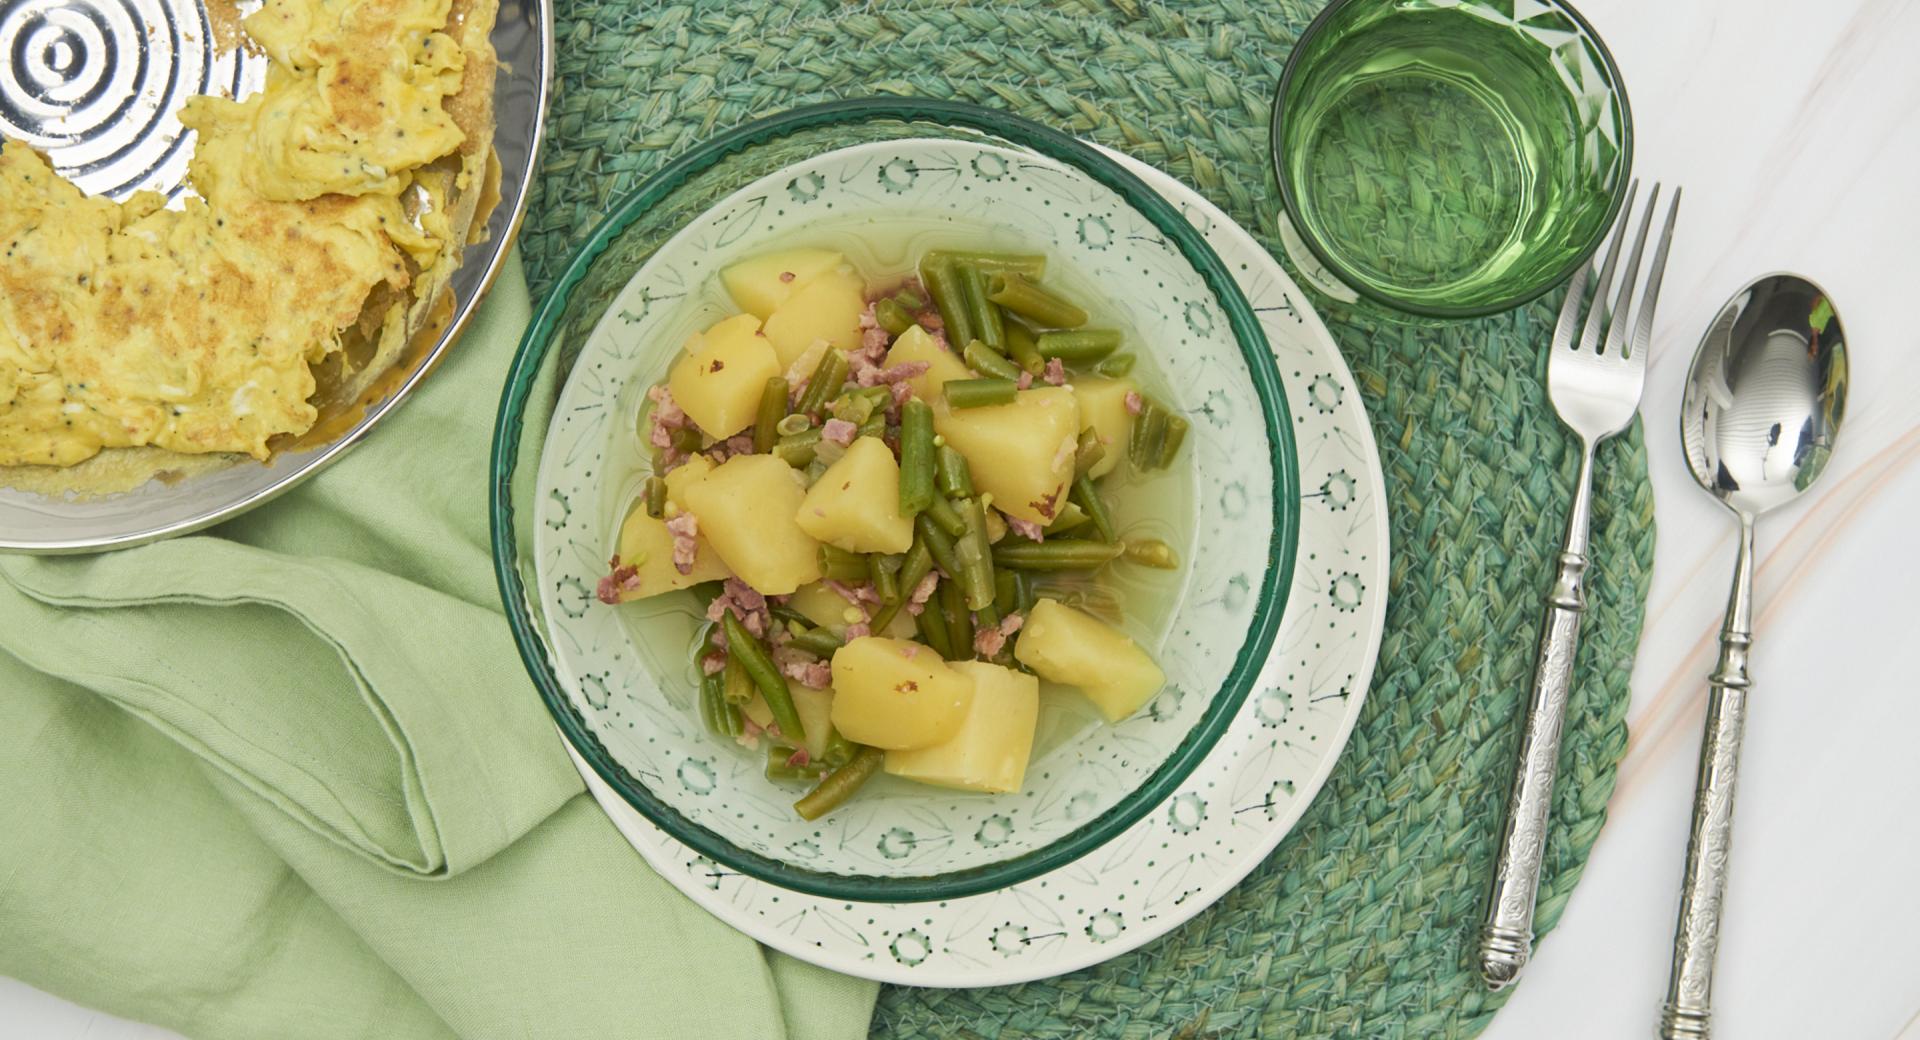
{"x": 288, "y": 779}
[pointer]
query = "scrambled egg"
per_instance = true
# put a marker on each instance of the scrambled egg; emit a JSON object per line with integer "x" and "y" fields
{"x": 194, "y": 330}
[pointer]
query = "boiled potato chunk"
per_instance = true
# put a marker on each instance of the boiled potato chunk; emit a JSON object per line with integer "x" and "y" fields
{"x": 896, "y": 694}
{"x": 1103, "y": 406}
{"x": 719, "y": 387}
{"x": 991, "y": 748}
{"x": 680, "y": 477}
{"x": 942, "y": 364}
{"x": 1063, "y": 645}
{"x": 1020, "y": 453}
{"x": 856, "y": 503}
{"x": 826, "y": 308}
{"x": 828, "y": 609}
{"x": 762, "y": 283}
{"x": 746, "y": 508}
{"x": 645, "y": 543}
{"x": 815, "y": 708}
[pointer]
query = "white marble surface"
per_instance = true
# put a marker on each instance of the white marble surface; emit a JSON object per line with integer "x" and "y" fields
{"x": 1795, "y": 128}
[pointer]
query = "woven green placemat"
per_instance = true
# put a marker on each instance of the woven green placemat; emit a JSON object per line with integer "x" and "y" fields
{"x": 1363, "y": 923}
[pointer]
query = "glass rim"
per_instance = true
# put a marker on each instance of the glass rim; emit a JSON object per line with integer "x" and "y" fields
{"x": 1345, "y": 275}
{"x": 538, "y": 341}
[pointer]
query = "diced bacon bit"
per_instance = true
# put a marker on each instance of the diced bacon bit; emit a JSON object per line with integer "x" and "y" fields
{"x": 738, "y": 444}
{"x": 901, "y": 391}
{"x": 868, "y": 319}
{"x": 988, "y": 641}
{"x": 1056, "y": 373}
{"x": 1011, "y": 623}
{"x": 896, "y": 374}
{"x": 1025, "y": 528}
{"x": 685, "y": 530}
{"x": 875, "y": 337}
{"x": 665, "y": 418}
{"x": 839, "y": 431}
{"x": 620, "y": 579}
{"x": 909, "y": 650}
{"x": 780, "y": 637}
{"x": 1134, "y": 404}
{"x": 931, "y": 320}
{"x": 863, "y": 362}
{"x": 1025, "y": 381}
{"x": 749, "y": 734}
{"x": 786, "y": 276}
{"x": 922, "y": 593}
{"x": 747, "y": 605}
{"x": 939, "y": 334}
{"x": 799, "y": 758}
{"x": 858, "y": 630}
{"x": 713, "y": 663}
{"x": 858, "y": 594}
{"x": 815, "y": 674}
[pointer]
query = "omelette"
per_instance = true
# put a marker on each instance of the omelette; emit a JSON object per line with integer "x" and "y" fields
{"x": 327, "y": 213}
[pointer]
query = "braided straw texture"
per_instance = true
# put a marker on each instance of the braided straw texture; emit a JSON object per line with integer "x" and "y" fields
{"x": 1363, "y": 923}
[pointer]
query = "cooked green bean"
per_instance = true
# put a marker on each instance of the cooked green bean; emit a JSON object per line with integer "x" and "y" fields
{"x": 1028, "y": 300}
{"x": 886, "y": 575}
{"x": 946, "y": 516}
{"x": 1079, "y": 345}
{"x": 853, "y": 408}
{"x": 953, "y": 608}
{"x": 1066, "y": 519}
{"x": 840, "y": 750}
{"x": 789, "y": 616}
{"x": 975, "y": 556}
{"x": 917, "y": 565}
{"x": 1065, "y": 554}
{"x": 978, "y": 393}
{"x": 686, "y": 440}
{"x": 760, "y": 668}
{"x": 1087, "y": 497}
{"x": 1006, "y": 592}
{"x": 938, "y": 543}
{"x": 891, "y": 316}
{"x": 1023, "y": 349}
{"x": 840, "y": 565}
{"x": 1152, "y": 552}
{"x": 988, "y": 323}
{"x": 955, "y": 480}
{"x": 780, "y": 772}
{"x": 735, "y": 683}
{"x": 818, "y": 641}
{"x": 798, "y": 422}
{"x": 1170, "y": 444}
{"x": 1030, "y": 265}
{"x": 908, "y": 300}
{"x": 654, "y": 494}
{"x": 1149, "y": 436}
{"x": 798, "y": 449}
{"x": 916, "y": 456}
{"x": 1088, "y": 451}
{"x": 839, "y": 785}
{"x": 1024, "y": 593}
{"x": 773, "y": 408}
{"x": 875, "y": 425}
{"x": 824, "y": 384}
{"x": 932, "y": 625}
{"x": 943, "y": 282}
{"x": 1115, "y": 366}
{"x": 989, "y": 362}
{"x": 712, "y": 701}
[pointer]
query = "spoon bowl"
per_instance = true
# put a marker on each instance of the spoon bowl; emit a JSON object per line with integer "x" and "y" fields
{"x": 1766, "y": 394}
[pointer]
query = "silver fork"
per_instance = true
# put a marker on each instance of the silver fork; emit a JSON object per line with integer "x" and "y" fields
{"x": 1594, "y": 383}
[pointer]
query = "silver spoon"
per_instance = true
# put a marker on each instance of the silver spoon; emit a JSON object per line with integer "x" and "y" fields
{"x": 1763, "y": 405}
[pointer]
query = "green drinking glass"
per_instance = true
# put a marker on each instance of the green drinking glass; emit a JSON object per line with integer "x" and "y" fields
{"x": 1451, "y": 158}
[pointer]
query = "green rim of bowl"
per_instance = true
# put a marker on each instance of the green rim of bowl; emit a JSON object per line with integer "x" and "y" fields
{"x": 1358, "y": 284}
{"x": 1270, "y": 604}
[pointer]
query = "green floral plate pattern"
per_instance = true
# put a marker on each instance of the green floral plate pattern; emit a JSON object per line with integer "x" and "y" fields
{"x": 636, "y": 695}
{"x": 1230, "y": 813}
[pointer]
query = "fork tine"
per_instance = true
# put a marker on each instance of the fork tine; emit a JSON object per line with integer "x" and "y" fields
{"x": 1590, "y": 335}
{"x": 1618, "y": 321}
{"x": 1643, "y": 322}
{"x": 1570, "y": 309}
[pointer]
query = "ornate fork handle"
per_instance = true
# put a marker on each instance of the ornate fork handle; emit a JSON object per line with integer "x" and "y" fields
{"x": 1506, "y": 941}
{"x": 1696, "y": 938}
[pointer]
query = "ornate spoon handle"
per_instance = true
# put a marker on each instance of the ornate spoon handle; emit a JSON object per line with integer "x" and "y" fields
{"x": 1696, "y": 938}
{"x": 1506, "y": 941}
